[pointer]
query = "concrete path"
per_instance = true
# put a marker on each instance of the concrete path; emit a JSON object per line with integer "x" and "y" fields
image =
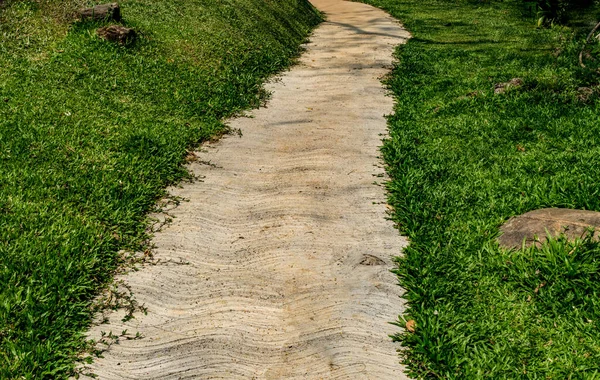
{"x": 278, "y": 266}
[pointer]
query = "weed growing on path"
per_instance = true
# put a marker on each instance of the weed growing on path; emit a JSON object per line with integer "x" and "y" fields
{"x": 463, "y": 159}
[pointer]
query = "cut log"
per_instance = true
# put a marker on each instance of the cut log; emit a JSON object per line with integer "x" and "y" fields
{"x": 117, "y": 33}
{"x": 101, "y": 12}
{"x": 533, "y": 227}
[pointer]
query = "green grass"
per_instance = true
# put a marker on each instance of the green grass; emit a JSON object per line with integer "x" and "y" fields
{"x": 462, "y": 160}
{"x": 90, "y": 135}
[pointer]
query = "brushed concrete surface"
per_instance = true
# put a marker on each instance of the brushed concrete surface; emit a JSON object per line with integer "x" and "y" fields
{"x": 278, "y": 265}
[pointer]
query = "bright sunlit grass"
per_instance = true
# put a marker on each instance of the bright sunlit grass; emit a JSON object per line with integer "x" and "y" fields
{"x": 91, "y": 133}
{"x": 463, "y": 160}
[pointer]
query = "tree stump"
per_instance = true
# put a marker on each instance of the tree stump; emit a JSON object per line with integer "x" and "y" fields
{"x": 534, "y": 226}
{"x": 117, "y": 33}
{"x": 101, "y": 12}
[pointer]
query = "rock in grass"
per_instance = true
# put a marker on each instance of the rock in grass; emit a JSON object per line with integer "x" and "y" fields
{"x": 501, "y": 88}
{"x": 584, "y": 94}
{"x": 117, "y": 33}
{"x": 111, "y": 12}
{"x": 532, "y": 226}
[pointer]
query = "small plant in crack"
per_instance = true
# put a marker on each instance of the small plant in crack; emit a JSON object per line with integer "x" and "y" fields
{"x": 119, "y": 296}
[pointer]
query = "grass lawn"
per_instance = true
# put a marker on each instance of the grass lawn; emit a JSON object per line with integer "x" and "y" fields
{"x": 92, "y": 132}
{"x": 463, "y": 160}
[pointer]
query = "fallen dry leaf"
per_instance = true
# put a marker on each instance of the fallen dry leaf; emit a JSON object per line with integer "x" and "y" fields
{"x": 191, "y": 157}
{"x": 411, "y": 326}
{"x": 536, "y": 290}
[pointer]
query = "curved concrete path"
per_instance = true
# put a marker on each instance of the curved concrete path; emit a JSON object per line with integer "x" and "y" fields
{"x": 285, "y": 243}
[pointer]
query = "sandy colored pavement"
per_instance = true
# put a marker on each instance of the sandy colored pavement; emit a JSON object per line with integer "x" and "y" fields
{"x": 278, "y": 265}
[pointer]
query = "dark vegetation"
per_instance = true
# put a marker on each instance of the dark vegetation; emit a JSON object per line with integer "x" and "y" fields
{"x": 91, "y": 132}
{"x": 558, "y": 10}
{"x": 463, "y": 159}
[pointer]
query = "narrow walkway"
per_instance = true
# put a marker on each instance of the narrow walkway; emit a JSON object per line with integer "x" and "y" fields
{"x": 286, "y": 244}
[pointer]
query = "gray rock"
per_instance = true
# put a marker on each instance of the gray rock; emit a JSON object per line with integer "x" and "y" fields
{"x": 501, "y": 88}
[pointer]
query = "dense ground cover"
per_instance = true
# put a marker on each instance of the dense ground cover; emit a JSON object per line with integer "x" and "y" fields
{"x": 90, "y": 134}
{"x": 463, "y": 160}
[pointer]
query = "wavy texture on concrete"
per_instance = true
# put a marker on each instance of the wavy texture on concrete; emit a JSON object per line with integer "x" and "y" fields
{"x": 286, "y": 247}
